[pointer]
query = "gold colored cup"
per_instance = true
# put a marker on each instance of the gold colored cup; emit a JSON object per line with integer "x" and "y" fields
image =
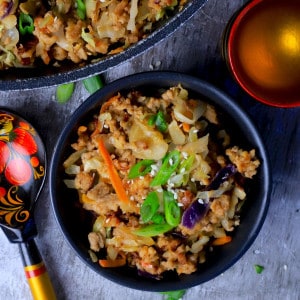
{"x": 262, "y": 50}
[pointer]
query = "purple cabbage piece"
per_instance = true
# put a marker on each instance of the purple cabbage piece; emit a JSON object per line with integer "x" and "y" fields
{"x": 194, "y": 214}
{"x": 221, "y": 176}
{"x": 7, "y": 10}
{"x": 198, "y": 209}
{"x": 148, "y": 275}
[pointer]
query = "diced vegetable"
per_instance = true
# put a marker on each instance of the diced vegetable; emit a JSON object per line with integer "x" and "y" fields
{"x": 222, "y": 240}
{"x": 112, "y": 263}
{"x": 141, "y": 168}
{"x": 26, "y": 25}
{"x": 64, "y": 92}
{"x": 113, "y": 174}
{"x": 153, "y": 229}
{"x": 169, "y": 165}
{"x": 194, "y": 213}
{"x": 81, "y": 9}
{"x": 158, "y": 219}
{"x": 259, "y": 269}
{"x": 174, "y": 295}
{"x": 145, "y": 274}
{"x": 149, "y": 207}
{"x": 222, "y": 176}
{"x": 93, "y": 84}
{"x": 172, "y": 210}
{"x": 159, "y": 121}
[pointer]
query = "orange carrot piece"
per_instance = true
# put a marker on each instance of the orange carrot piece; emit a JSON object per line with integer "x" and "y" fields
{"x": 109, "y": 263}
{"x": 113, "y": 174}
{"x": 106, "y": 104}
{"x": 222, "y": 240}
{"x": 186, "y": 127}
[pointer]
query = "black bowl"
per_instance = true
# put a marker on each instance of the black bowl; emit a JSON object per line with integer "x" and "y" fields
{"x": 74, "y": 222}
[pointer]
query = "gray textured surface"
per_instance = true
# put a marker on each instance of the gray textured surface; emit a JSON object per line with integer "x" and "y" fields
{"x": 194, "y": 48}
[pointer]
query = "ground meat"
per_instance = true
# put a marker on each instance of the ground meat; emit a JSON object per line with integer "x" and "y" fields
{"x": 84, "y": 181}
{"x": 96, "y": 241}
{"x": 245, "y": 161}
{"x": 220, "y": 206}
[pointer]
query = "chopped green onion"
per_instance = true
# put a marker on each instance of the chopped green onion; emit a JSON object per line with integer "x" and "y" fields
{"x": 159, "y": 121}
{"x": 174, "y": 295}
{"x": 184, "y": 167}
{"x": 64, "y": 92}
{"x": 258, "y": 269}
{"x": 153, "y": 229}
{"x": 149, "y": 207}
{"x": 172, "y": 210}
{"x": 93, "y": 84}
{"x": 25, "y": 24}
{"x": 151, "y": 120}
{"x": 81, "y": 9}
{"x": 141, "y": 168}
{"x": 158, "y": 219}
{"x": 186, "y": 164}
{"x": 169, "y": 165}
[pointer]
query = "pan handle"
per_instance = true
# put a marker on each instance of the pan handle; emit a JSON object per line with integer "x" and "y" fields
{"x": 36, "y": 273}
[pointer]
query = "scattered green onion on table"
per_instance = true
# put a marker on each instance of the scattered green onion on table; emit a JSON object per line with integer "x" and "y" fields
{"x": 65, "y": 91}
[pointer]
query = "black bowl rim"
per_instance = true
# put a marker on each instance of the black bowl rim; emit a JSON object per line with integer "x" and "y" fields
{"x": 207, "y": 90}
{"x": 107, "y": 63}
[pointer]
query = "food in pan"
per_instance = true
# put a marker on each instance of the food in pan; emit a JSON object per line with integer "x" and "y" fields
{"x": 163, "y": 178}
{"x": 34, "y": 32}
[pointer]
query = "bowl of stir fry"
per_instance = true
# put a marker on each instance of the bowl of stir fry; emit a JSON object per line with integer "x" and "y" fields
{"x": 160, "y": 178}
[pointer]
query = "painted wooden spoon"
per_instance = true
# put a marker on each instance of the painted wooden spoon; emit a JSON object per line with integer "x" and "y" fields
{"x": 22, "y": 174}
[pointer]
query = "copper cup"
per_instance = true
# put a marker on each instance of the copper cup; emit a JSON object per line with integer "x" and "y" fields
{"x": 261, "y": 47}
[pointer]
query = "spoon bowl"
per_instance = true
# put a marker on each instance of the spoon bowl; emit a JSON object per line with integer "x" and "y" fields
{"x": 22, "y": 175}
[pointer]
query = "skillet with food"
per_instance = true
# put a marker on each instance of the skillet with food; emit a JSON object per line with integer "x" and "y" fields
{"x": 52, "y": 42}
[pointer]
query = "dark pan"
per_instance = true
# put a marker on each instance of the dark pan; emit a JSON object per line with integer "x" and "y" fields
{"x": 30, "y": 78}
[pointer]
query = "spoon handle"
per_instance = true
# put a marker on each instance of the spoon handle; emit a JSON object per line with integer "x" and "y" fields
{"x": 36, "y": 273}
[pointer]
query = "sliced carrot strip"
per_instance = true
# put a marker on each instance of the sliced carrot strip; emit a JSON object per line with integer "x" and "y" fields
{"x": 109, "y": 263}
{"x": 222, "y": 240}
{"x": 186, "y": 127}
{"x": 113, "y": 174}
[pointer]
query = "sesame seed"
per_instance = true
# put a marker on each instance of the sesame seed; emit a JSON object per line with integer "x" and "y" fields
{"x": 185, "y": 155}
{"x": 285, "y": 267}
{"x": 182, "y": 170}
{"x": 201, "y": 201}
{"x": 179, "y": 204}
{"x": 171, "y": 161}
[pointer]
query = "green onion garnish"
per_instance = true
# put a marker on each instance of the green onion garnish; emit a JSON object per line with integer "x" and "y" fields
{"x": 26, "y": 25}
{"x": 149, "y": 207}
{"x": 64, "y": 92}
{"x": 93, "y": 84}
{"x": 258, "y": 269}
{"x": 141, "y": 168}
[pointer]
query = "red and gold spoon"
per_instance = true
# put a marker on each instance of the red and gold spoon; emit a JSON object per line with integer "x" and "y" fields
{"x": 22, "y": 174}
